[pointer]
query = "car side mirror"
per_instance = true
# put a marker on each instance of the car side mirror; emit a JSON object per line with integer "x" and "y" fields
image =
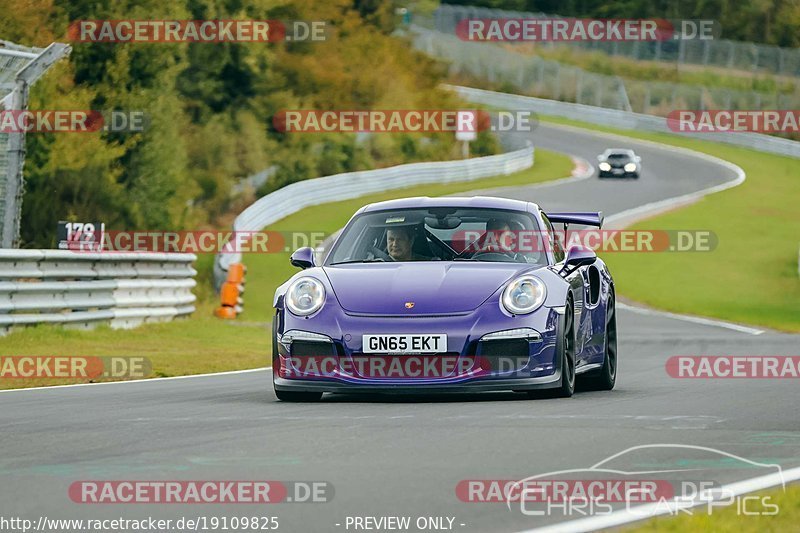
{"x": 303, "y": 258}
{"x": 577, "y": 257}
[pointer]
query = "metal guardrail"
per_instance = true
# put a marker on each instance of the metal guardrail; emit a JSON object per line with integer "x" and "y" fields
{"x": 622, "y": 119}
{"x": 302, "y": 194}
{"x": 82, "y": 289}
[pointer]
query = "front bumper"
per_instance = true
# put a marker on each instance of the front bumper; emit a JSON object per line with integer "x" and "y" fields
{"x": 612, "y": 174}
{"x": 524, "y": 384}
{"x": 478, "y": 364}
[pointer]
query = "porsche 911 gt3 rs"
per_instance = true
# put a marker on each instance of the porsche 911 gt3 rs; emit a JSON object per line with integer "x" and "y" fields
{"x": 426, "y": 295}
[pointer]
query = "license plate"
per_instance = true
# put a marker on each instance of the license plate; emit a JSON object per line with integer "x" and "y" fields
{"x": 404, "y": 343}
{"x": 617, "y": 171}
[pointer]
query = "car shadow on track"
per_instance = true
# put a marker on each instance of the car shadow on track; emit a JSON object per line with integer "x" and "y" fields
{"x": 455, "y": 397}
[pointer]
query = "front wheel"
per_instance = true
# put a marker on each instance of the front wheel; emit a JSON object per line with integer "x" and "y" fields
{"x": 566, "y": 351}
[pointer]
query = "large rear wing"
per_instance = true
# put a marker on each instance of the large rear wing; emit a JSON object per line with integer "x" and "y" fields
{"x": 584, "y": 219}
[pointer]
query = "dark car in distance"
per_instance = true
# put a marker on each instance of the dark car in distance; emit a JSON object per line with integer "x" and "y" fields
{"x": 619, "y": 163}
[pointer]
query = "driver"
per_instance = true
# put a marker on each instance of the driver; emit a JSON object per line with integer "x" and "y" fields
{"x": 498, "y": 237}
{"x": 400, "y": 244}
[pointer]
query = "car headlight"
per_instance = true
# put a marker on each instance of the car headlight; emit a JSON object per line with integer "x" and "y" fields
{"x": 630, "y": 167}
{"x": 523, "y": 295}
{"x": 305, "y": 296}
{"x": 605, "y": 167}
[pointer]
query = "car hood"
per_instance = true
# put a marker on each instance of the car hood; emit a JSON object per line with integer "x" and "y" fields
{"x": 434, "y": 287}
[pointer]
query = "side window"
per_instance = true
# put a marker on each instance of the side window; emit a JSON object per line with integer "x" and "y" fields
{"x": 555, "y": 242}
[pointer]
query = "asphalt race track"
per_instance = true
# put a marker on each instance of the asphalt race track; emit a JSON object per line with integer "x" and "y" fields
{"x": 387, "y": 456}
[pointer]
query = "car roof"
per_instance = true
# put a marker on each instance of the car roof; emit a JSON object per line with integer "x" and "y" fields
{"x": 619, "y": 150}
{"x": 421, "y": 202}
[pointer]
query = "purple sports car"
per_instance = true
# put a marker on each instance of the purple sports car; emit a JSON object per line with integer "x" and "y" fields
{"x": 426, "y": 295}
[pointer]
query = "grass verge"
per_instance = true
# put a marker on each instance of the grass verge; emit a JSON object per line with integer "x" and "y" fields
{"x": 198, "y": 345}
{"x": 752, "y": 275}
{"x": 202, "y": 343}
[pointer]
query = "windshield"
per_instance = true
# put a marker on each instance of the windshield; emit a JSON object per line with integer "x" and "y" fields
{"x": 441, "y": 234}
{"x": 618, "y": 156}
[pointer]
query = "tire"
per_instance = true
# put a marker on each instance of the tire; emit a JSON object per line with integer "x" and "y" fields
{"x": 606, "y": 377}
{"x": 295, "y": 396}
{"x": 566, "y": 349}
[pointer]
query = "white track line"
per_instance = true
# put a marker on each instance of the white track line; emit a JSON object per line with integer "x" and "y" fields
{"x": 145, "y": 380}
{"x": 690, "y": 318}
{"x": 644, "y": 512}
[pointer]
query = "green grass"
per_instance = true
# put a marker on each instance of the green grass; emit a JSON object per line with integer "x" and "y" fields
{"x": 197, "y": 345}
{"x": 203, "y": 343}
{"x": 751, "y": 276}
{"x": 727, "y": 518}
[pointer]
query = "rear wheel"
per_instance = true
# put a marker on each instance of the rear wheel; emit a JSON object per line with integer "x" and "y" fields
{"x": 567, "y": 353}
{"x": 606, "y": 377}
